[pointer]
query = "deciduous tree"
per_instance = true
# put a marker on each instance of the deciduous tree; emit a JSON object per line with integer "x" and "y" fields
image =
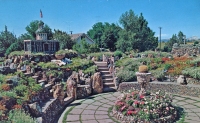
{"x": 64, "y": 39}
{"x": 33, "y": 26}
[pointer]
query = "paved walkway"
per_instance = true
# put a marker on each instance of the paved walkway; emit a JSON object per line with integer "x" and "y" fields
{"x": 95, "y": 109}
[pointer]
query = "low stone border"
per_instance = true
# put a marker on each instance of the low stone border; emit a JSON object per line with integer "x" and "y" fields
{"x": 188, "y": 90}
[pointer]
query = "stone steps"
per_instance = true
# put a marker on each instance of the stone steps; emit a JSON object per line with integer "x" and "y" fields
{"x": 108, "y": 83}
{"x": 107, "y": 76}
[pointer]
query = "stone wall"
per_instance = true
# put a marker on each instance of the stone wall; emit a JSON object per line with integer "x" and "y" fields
{"x": 188, "y": 90}
{"x": 83, "y": 91}
{"x": 52, "y": 110}
{"x": 180, "y": 50}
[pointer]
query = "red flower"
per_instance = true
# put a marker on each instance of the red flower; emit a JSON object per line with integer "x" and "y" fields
{"x": 141, "y": 96}
{"x": 136, "y": 102}
{"x": 129, "y": 112}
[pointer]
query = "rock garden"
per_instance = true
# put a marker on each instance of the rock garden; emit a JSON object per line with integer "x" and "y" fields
{"x": 40, "y": 86}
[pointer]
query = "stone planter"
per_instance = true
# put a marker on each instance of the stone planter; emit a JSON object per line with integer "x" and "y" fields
{"x": 59, "y": 56}
{"x": 143, "y": 79}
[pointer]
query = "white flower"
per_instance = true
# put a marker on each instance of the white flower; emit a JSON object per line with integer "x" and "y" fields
{"x": 146, "y": 102}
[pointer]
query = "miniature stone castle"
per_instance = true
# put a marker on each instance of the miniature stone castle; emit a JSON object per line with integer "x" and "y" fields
{"x": 41, "y": 44}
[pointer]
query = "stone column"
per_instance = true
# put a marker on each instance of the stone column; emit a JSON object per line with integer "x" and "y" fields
{"x": 143, "y": 79}
{"x": 54, "y": 47}
{"x": 30, "y": 47}
{"x": 41, "y": 46}
{"x": 24, "y": 46}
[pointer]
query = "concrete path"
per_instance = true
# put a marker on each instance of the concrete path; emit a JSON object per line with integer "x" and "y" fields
{"x": 95, "y": 109}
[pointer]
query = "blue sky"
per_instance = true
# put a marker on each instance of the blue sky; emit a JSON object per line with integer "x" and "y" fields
{"x": 80, "y": 15}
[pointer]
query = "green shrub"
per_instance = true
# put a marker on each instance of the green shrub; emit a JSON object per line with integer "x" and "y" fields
{"x": 48, "y": 65}
{"x": 19, "y": 116}
{"x": 167, "y": 66}
{"x": 17, "y": 53}
{"x": 38, "y": 54}
{"x": 90, "y": 70}
{"x": 10, "y": 94}
{"x": 158, "y": 74}
{"x": 193, "y": 72}
{"x": 2, "y": 78}
{"x": 36, "y": 88}
{"x": 118, "y": 53}
{"x": 21, "y": 90}
{"x": 125, "y": 75}
{"x": 79, "y": 64}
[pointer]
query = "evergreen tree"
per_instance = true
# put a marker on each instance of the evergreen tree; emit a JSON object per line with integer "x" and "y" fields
{"x": 6, "y": 39}
{"x": 140, "y": 36}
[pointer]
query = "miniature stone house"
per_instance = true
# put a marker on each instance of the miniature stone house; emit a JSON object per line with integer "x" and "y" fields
{"x": 41, "y": 44}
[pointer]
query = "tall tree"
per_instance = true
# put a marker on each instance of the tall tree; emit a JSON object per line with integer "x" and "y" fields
{"x": 33, "y": 26}
{"x": 172, "y": 40}
{"x": 105, "y": 34}
{"x": 64, "y": 39}
{"x": 18, "y": 44}
{"x": 6, "y": 39}
{"x": 180, "y": 37}
{"x": 141, "y": 36}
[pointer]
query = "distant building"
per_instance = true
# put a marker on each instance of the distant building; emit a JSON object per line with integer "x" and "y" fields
{"x": 41, "y": 44}
{"x": 78, "y": 37}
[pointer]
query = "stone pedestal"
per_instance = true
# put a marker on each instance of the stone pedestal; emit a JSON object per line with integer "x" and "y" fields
{"x": 143, "y": 79}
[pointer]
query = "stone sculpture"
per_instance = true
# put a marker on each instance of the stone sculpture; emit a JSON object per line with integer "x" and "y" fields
{"x": 71, "y": 87}
{"x": 28, "y": 69}
{"x": 59, "y": 93}
{"x": 97, "y": 83}
{"x": 182, "y": 80}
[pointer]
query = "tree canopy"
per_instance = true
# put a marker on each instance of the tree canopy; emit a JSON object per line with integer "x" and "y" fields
{"x": 33, "y": 26}
{"x": 136, "y": 34}
{"x": 64, "y": 39}
{"x": 179, "y": 39}
{"x": 6, "y": 39}
{"x": 105, "y": 35}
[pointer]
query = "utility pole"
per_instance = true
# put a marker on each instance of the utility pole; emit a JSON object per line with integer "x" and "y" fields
{"x": 160, "y": 36}
{"x": 184, "y": 38}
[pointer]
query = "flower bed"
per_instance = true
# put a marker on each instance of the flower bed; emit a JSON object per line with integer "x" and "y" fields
{"x": 152, "y": 107}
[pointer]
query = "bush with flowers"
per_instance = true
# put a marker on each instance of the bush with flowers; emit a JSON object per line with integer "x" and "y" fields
{"x": 151, "y": 107}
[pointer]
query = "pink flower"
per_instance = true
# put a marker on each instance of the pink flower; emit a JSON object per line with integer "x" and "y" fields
{"x": 136, "y": 102}
{"x": 122, "y": 108}
{"x": 119, "y": 103}
{"x": 142, "y": 102}
{"x": 141, "y": 96}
